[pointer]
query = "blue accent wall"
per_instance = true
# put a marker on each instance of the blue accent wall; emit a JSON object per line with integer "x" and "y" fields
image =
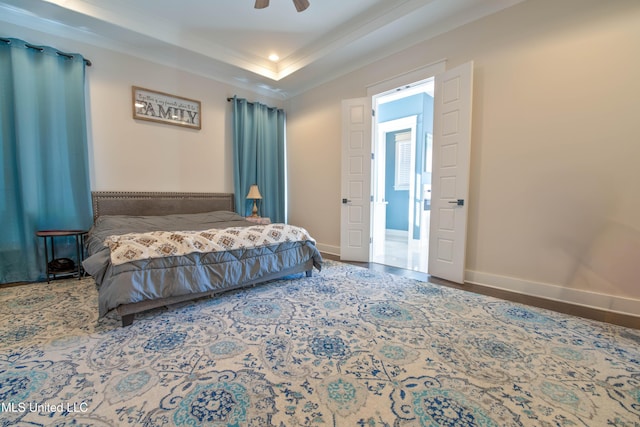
{"x": 420, "y": 105}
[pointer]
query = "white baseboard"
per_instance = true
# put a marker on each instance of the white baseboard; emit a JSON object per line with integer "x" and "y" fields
{"x": 612, "y": 303}
{"x": 328, "y": 249}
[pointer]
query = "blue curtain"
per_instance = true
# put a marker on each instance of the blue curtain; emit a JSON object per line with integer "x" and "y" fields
{"x": 44, "y": 181}
{"x": 259, "y": 157}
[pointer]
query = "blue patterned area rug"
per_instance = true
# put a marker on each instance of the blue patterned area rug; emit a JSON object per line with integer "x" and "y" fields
{"x": 347, "y": 347}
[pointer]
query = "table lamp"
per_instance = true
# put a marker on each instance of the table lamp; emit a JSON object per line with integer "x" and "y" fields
{"x": 254, "y": 194}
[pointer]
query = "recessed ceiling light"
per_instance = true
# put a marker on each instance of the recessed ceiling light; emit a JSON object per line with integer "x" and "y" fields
{"x": 273, "y": 57}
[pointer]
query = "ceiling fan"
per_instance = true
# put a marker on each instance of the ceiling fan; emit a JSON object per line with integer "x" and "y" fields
{"x": 300, "y": 4}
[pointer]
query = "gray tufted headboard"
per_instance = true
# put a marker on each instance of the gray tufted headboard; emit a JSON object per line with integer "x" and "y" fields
{"x": 158, "y": 203}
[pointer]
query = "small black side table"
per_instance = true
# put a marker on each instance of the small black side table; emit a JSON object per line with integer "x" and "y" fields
{"x": 51, "y": 235}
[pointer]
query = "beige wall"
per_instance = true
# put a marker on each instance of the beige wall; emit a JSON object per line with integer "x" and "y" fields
{"x": 132, "y": 155}
{"x": 137, "y": 155}
{"x": 554, "y": 208}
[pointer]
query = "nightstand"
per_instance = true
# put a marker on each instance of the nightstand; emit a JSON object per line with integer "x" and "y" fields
{"x": 50, "y": 235}
{"x": 259, "y": 219}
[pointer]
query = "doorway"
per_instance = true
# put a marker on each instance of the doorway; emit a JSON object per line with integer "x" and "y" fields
{"x": 402, "y": 147}
{"x": 449, "y": 170}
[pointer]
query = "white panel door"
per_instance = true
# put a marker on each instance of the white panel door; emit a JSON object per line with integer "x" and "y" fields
{"x": 450, "y": 179}
{"x": 355, "y": 228}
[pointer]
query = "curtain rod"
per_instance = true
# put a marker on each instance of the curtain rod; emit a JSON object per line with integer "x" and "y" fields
{"x": 231, "y": 99}
{"x": 248, "y": 102}
{"x": 253, "y": 103}
{"x": 40, "y": 49}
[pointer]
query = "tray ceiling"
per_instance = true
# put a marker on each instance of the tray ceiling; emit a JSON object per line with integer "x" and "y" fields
{"x": 231, "y": 41}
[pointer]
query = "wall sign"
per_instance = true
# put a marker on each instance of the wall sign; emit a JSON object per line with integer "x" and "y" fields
{"x": 164, "y": 108}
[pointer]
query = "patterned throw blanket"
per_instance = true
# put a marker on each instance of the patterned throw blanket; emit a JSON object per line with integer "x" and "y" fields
{"x": 158, "y": 244}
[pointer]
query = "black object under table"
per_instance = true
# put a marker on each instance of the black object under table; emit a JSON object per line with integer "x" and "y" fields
{"x": 62, "y": 266}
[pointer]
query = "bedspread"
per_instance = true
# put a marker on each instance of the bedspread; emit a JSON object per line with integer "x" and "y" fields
{"x": 158, "y": 244}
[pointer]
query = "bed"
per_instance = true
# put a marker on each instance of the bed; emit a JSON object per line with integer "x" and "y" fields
{"x": 148, "y": 250}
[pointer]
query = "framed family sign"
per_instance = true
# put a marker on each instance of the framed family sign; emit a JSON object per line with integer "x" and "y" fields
{"x": 165, "y": 108}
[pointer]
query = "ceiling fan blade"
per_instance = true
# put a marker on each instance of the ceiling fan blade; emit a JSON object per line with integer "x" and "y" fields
{"x": 301, "y": 4}
{"x": 261, "y": 4}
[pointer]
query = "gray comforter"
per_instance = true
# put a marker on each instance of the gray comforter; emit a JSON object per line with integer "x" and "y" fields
{"x": 152, "y": 279}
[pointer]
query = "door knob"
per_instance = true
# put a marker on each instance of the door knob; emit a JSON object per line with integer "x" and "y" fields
{"x": 459, "y": 202}
{"x": 345, "y": 201}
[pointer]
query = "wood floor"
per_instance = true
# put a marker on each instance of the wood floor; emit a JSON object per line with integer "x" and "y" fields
{"x": 561, "y": 307}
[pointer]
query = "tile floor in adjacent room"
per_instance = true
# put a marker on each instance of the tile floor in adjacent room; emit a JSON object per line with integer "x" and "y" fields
{"x": 400, "y": 252}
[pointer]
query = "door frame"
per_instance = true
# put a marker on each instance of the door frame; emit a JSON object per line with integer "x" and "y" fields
{"x": 378, "y": 88}
{"x": 387, "y": 87}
